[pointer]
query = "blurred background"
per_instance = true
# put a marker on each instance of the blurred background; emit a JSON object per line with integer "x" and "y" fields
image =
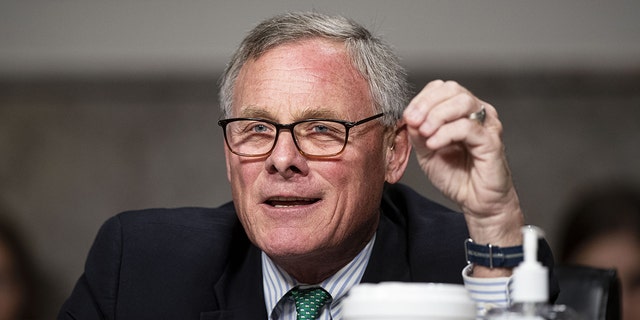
{"x": 110, "y": 106}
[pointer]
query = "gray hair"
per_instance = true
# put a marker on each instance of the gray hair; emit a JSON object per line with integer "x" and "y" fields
{"x": 373, "y": 58}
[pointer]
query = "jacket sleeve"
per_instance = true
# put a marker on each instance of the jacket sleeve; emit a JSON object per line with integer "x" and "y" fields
{"x": 95, "y": 294}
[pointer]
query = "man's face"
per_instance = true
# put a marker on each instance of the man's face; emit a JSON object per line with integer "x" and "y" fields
{"x": 292, "y": 206}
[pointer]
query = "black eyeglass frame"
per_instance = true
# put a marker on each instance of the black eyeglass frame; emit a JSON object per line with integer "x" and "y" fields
{"x": 279, "y": 126}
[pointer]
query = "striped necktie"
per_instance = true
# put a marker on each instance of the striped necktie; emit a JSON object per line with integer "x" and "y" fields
{"x": 309, "y": 302}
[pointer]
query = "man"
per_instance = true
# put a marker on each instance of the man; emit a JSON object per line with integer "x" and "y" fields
{"x": 316, "y": 135}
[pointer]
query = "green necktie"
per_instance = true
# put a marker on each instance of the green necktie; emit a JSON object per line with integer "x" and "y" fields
{"x": 309, "y": 302}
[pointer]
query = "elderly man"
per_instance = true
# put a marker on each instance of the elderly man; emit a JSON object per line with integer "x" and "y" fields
{"x": 318, "y": 133}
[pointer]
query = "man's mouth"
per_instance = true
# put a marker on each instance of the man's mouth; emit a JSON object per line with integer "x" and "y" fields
{"x": 285, "y": 202}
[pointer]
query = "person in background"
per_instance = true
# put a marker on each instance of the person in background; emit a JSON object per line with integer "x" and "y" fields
{"x": 19, "y": 298}
{"x": 318, "y": 130}
{"x": 602, "y": 230}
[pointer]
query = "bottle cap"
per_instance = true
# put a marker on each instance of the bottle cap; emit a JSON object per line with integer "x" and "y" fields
{"x": 530, "y": 278}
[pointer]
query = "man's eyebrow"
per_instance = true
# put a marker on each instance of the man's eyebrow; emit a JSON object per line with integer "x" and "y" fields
{"x": 317, "y": 113}
{"x": 254, "y": 112}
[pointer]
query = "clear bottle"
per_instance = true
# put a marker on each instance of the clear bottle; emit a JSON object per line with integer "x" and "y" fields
{"x": 531, "y": 288}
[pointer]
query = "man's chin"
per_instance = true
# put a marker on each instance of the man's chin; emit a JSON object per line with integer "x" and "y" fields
{"x": 288, "y": 251}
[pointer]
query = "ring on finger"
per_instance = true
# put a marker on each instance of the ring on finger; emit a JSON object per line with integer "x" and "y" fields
{"x": 479, "y": 116}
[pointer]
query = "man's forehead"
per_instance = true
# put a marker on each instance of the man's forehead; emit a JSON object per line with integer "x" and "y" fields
{"x": 253, "y": 111}
{"x": 310, "y": 52}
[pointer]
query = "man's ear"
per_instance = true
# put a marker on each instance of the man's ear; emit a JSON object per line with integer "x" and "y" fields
{"x": 397, "y": 153}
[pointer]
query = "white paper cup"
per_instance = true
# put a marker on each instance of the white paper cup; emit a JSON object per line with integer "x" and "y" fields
{"x": 408, "y": 301}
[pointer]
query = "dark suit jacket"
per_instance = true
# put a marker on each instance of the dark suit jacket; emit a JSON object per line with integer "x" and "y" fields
{"x": 196, "y": 263}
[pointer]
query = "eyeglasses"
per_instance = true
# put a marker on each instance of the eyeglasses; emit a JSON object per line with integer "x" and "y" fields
{"x": 255, "y": 137}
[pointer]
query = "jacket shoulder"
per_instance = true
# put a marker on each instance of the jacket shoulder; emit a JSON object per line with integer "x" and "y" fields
{"x": 434, "y": 234}
{"x": 419, "y": 213}
{"x": 142, "y": 259}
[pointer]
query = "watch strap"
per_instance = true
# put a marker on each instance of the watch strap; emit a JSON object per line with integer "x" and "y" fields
{"x": 493, "y": 256}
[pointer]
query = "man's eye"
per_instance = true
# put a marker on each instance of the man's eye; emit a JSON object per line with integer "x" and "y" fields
{"x": 320, "y": 128}
{"x": 260, "y": 128}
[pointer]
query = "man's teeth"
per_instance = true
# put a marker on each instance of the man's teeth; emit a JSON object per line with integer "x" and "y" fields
{"x": 282, "y": 206}
{"x": 290, "y": 202}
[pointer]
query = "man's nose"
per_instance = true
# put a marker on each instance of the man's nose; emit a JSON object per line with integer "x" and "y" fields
{"x": 285, "y": 158}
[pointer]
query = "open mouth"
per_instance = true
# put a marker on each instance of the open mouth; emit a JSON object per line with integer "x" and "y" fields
{"x": 285, "y": 202}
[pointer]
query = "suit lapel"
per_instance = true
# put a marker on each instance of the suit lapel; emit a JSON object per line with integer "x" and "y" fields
{"x": 390, "y": 245}
{"x": 239, "y": 291}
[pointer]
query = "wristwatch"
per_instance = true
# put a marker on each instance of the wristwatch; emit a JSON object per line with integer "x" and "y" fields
{"x": 493, "y": 256}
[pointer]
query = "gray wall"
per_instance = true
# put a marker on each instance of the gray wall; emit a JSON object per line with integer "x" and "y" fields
{"x": 75, "y": 36}
{"x": 109, "y": 107}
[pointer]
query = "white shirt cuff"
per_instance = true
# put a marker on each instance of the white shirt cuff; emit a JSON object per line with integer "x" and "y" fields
{"x": 488, "y": 293}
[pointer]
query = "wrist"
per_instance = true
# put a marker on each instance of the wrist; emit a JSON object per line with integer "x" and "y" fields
{"x": 502, "y": 229}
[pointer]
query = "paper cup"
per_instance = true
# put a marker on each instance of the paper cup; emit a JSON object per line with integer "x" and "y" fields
{"x": 408, "y": 301}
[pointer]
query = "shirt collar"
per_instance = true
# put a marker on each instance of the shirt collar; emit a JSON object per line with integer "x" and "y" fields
{"x": 277, "y": 282}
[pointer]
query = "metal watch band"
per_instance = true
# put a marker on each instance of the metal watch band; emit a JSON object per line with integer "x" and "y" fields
{"x": 493, "y": 256}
